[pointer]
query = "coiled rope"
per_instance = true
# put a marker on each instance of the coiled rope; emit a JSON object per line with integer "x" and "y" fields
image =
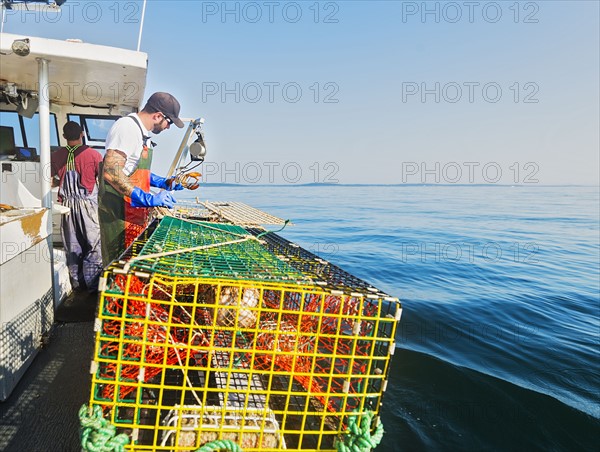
{"x": 358, "y": 436}
{"x": 220, "y": 444}
{"x": 98, "y": 434}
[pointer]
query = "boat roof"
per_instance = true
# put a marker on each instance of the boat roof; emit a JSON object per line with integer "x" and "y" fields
{"x": 79, "y": 73}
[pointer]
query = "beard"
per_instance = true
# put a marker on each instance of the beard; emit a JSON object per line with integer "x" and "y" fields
{"x": 157, "y": 129}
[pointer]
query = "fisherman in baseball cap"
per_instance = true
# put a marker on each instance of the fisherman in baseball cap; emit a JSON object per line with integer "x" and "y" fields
{"x": 125, "y": 198}
{"x": 166, "y": 104}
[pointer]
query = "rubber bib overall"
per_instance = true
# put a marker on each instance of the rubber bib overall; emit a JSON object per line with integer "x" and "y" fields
{"x": 120, "y": 224}
{"x": 80, "y": 228}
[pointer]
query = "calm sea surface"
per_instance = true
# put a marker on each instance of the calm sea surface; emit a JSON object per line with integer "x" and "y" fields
{"x": 498, "y": 346}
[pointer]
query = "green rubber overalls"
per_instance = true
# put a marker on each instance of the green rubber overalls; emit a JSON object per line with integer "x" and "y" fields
{"x": 120, "y": 224}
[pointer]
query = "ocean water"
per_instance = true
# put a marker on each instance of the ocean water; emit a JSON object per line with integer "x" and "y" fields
{"x": 498, "y": 345}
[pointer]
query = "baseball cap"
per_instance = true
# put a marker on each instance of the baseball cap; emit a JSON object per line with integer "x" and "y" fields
{"x": 167, "y": 104}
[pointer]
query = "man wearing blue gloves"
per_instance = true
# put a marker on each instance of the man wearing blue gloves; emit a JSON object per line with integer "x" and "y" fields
{"x": 124, "y": 196}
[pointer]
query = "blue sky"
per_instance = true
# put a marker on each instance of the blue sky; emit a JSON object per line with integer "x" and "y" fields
{"x": 367, "y": 92}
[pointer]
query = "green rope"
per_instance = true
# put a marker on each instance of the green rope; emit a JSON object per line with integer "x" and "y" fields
{"x": 220, "y": 444}
{"x": 358, "y": 437}
{"x": 278, "y": 230}
{"x": 98, "y": 434}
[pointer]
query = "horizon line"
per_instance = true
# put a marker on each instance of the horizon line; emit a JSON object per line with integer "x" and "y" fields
{"x": 322, "y": 184}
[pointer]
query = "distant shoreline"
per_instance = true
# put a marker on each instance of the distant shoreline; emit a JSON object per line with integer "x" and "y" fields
{"x": 217, "y": 184}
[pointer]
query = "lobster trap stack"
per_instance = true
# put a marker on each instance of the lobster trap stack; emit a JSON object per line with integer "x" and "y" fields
{"x": 209, "y": 331}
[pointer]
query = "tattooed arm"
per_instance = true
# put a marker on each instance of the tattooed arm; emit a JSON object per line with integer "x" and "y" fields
{"x": 114, "y": 161}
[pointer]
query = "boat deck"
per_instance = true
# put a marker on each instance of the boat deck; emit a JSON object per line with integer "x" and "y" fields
{"x": 42, "y": 412}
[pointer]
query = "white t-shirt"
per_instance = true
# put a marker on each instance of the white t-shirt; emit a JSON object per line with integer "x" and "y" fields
{"x": 125, "y": 136}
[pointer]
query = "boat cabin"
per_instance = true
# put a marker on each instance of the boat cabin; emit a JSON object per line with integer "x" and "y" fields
{"x": 43, "y": 84}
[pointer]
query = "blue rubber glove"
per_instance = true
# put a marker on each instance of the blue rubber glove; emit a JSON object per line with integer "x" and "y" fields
{"x": 140, "y": 198}
{"x": 172, "y": 185}
{"x": 161, "y": 182}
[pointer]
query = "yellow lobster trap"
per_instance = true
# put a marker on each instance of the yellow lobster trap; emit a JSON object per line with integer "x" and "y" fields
{"x": 208, "y": 332}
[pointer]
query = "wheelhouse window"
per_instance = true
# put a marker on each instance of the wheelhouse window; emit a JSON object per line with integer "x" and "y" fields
{"x": 95, "y": 128}
{"x": 20, "y": 132}
{"x": 32, "y": 131}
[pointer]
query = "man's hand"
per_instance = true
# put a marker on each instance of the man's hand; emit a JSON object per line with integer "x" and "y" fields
{"x": 140, "y": 198}
{"x": 167, "y": 184}
{"x": 173, "y": 184}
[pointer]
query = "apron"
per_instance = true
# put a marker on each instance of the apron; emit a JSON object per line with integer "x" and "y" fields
{"x": 80, "y": 229}
{"x": 120, "y": 223}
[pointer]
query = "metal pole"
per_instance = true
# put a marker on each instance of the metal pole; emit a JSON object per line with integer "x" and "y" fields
{"x": 44, "y": 117}
{"x": 141, "y": 26}
{"x": 3, "y": 14}
{"x": 182, "y": 146}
